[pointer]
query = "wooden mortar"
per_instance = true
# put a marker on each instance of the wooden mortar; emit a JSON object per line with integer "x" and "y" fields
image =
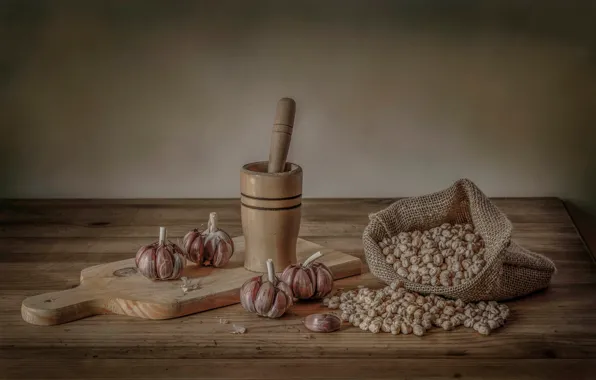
{"x": 271, "y": 212}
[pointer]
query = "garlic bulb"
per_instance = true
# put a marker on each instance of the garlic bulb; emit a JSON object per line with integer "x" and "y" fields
{"x": 160, "y": 260}
{"x": 219, "y": 246}
{"x": 266, "y": 298}
{"x": 309, "y": 280}
{"x": 212, "y": 247}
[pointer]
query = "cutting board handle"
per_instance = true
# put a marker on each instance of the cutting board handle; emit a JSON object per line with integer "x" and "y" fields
{"x": 61, "y": 307}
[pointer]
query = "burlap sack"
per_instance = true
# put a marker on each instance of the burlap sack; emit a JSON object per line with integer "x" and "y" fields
{"x": 510, "y": 270}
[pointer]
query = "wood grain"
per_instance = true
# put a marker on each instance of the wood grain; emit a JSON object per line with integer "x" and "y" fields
{"x": 96, "y": 368}
{"x": 45, "y": 244}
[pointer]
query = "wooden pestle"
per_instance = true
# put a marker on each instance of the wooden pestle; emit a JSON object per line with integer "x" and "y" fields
{"x": 281, "y": 135}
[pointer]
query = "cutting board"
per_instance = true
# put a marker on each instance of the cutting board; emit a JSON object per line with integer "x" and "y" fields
{"x": 117, "y": 288}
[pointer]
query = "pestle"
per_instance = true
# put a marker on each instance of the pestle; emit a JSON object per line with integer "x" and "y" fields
{"x": 281, "y": 135}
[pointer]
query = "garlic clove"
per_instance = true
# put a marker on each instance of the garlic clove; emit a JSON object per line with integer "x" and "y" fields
{"x": 324, "y": 284}
{"x": 146, "y": 262}
{"x": 264, "y": 298}
{"x": 280, "y": 304}
{"x": 303, "y": 285}
{"x": 248, "y": 293}
{"x": 209, "y": 247}
{"x": 188, "y": 239}
{"x": 285, "y": 288}
{"x": 193, "y": 243}
{"x": 164, "y": 262}
{"x": 197, "y": 250}
{"x": 288, "y": 274}
{"x": 187, "y": 243}
{"x": 178, "y": 263}
{"x": 222, "y": 253}
{"x": 310, "y": 271}
{"x": 141, "y": 252}
{"x": 324, "y": 323}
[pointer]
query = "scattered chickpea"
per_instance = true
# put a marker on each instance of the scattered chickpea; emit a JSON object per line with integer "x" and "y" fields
{"x": 482, "y": 328}
{"x": 406, "y": 328}
{"x": 386, "y": 327}
{"x": 493, "y": 324}
{"x": 395, "y": 310}
{"x": 374, "y": 327}
{"x": 447, "y": 325}
{"x": 418, "y": 330}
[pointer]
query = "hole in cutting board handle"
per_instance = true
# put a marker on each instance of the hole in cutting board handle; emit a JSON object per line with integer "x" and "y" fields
{"x": 125, "y": 272}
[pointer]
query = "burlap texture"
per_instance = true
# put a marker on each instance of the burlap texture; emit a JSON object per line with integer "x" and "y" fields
{"x": 510, "y": 271}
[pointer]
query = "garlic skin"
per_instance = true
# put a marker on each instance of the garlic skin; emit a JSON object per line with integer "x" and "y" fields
{"x": 324, "y": 323}
{"x": 194, "y": 246}
{"x": 309, "y": 280}
{"x": 268, "y": 299}
{"x": 160, "y": 260}
{"x": 219, "y": 246}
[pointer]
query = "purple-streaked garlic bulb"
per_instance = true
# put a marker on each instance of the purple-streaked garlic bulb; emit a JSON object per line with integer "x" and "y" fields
{"x": 219, "y": 246}
{"x": 266, "y": 298}
{"x": 309, "y": 280}
{"x": 160, "y": 260}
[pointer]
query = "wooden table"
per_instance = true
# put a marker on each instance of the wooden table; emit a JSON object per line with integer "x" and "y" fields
{"x": 45, "y": 244}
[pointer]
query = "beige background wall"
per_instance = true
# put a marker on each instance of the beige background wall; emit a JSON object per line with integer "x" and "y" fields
{"x": 169, "y": 99}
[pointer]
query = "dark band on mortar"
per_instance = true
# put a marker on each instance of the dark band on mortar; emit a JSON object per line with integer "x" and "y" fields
{"x": 271, "y": 208}
{"x": 271, "y": 199}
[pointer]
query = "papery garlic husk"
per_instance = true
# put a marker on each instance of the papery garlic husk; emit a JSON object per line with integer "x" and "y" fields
{"x": 309, "y": 280}
{"x": 322, "y": 323}
{"x": 194, "y": 246}
{"x": 267, "y": 298}
{"x": 219, "y": 246}
{"x": 160, "y": 260}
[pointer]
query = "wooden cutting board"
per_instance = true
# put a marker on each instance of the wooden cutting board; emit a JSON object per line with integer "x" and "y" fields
{"x": 117, "y": 288}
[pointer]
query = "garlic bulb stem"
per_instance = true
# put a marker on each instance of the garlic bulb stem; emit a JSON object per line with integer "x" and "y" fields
{"x": 312, "y": 258}
{"x": 212, "y": 225}
{"x": 270, "y": 271}
{"x": 162, "y": 235}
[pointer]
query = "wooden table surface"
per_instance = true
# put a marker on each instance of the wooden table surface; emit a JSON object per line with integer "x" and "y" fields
{"x": 45, "y": 244}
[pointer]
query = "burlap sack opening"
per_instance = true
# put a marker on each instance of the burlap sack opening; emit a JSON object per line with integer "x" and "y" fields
{"x": 510, "y": 271}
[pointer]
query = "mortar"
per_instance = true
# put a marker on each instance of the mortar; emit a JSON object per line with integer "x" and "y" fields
{"x": 271, "y": 212}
